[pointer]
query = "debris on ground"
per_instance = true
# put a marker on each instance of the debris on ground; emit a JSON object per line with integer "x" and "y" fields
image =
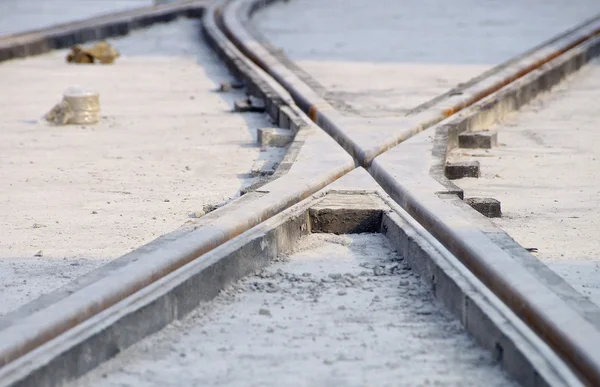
{"x": 205, "y": 210}
{"x": 228, "y": 86}
{"x": 79, "y": 106}
{"x": 101, "y": 52}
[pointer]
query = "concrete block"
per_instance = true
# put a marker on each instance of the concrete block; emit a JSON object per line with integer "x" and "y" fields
{"x": 296, "y": 123}
{"x": 489, "y": 207}
{"x": 347, "y": 214}
{"x": 471, "y": 140}
{"x": 227, "y": 86}
{"x": 461, "y": 169}
{"x": 274, "y": 137}
{"x": 263, "y": 167}
{"x": 284, "y": 117}
{"x": 249, "y": 104}
{"x": 272, "y": 108}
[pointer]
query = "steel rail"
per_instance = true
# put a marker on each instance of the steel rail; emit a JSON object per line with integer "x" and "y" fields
{"x": 42, "y": 326}
{"x": 578, "y": 345}
{"x": 22, "y": 340}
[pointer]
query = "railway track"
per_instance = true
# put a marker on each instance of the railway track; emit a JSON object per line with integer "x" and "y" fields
{"x": 338, "y": 178}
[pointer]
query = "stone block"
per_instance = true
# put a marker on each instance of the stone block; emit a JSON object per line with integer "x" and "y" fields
{"x": 252, "y": 104}
{"x": 461, "y": 169}
{"x": 274, "y": 137}
{"x": 471, "y": 140}
{"x": 489, "y": 207}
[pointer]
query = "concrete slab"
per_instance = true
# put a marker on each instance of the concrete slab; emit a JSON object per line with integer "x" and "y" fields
{"x": 388, "y": 57}
{"x": 84, "y": 195}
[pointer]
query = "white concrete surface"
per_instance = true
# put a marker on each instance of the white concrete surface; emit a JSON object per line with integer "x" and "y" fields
{"x": 167, "y": 145}
{"x": 338, "y": 311}
{"x": 546, "y": 173}
{"x": 384, "y": 57}
{"x": 18, "y": 16}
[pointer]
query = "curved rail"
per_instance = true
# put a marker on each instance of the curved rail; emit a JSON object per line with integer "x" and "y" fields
{"x": 571, "y": 336}
{"x": 42, "y": 326}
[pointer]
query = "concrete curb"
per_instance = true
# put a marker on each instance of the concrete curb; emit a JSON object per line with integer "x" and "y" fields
{"x": 565, "y": 330}
{"x": 483, "y": 114}
{"x": 516, "y": 347}
{"x": 101, "y": 27}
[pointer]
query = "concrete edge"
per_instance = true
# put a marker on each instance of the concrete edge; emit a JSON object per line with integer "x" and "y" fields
{"x": 492, "y": 109}
{"x": 520, "y": 352}
{"x": 488, "y": 112}
{"x": 95, "y": 28}
{"x": 582, "y": 305}
{"x": 278, "y": 103}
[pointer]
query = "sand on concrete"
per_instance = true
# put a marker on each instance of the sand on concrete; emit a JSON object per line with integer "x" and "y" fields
{"x": 337, "y": 311}
{"x": 167, "y": 145}
{"x": 546, "y": 174}
{"x": 18, "y": 16}
{"x": 385, "y": 57}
